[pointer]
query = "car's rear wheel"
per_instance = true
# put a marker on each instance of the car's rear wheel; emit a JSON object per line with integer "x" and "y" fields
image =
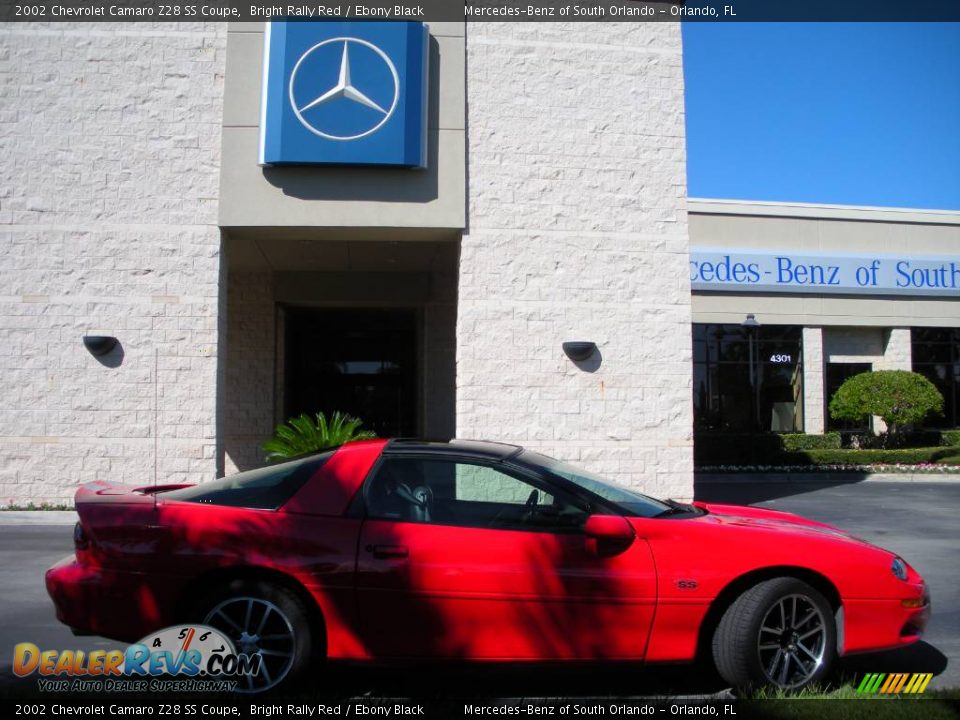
{"x": 779, "y": 633}
{"x": 267, "y": 620}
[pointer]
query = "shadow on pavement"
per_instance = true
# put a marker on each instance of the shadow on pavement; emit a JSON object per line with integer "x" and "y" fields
{"x": 738, "y": 492}
{"x": 921, "y": 657}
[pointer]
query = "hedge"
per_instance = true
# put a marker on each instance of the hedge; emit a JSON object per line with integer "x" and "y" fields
{"x": 952, "y": 459}
{"x": 710, "y": 449}
{"x": 926, "y": 438}
{"x": 793, "y": 442}
{"x": 736, "y": 448}
{"x": 759, "y": 448}
{"x": 950, "y": 437}
{"x": 917, "y": 438}
{"x": 900, "y": 456}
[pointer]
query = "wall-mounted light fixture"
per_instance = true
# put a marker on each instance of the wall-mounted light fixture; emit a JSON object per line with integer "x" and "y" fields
{"x": 99, "y": 345}
{"x": 579, "y": 350}
{"x": 750, "y": 322}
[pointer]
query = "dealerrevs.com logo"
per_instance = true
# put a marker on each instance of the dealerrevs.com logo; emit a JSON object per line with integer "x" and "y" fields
{"x": 894, "y": 683}
{"x": 191, "y": 658}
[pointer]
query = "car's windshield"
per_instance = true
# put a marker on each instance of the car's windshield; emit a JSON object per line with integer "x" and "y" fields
{"x": 630, "y": 500}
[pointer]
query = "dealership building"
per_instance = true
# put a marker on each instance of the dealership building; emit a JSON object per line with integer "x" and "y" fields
{"x": 791, "y": 300}
{"x": 209, "y": 228}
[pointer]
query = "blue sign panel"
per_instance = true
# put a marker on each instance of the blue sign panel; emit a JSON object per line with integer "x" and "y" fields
{"x": 734, "y": 270}
{"x": 344, "y": 93}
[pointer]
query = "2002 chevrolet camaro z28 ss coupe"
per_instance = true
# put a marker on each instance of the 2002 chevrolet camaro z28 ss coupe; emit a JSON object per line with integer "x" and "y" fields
{"x": 391, "y": 550}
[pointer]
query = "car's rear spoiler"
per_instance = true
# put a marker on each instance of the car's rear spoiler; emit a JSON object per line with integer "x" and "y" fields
{"x": 98, "y": 492}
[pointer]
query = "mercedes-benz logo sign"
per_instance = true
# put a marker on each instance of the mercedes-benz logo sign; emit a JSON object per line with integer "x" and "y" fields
{"x": 344, "y": 89}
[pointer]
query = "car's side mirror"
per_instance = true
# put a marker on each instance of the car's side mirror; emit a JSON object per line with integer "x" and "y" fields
{"x": 608, "y": 527}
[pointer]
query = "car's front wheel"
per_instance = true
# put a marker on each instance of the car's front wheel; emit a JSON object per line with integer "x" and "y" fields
{"x": 780, "y": 633}
{"x": 266, "y": 620}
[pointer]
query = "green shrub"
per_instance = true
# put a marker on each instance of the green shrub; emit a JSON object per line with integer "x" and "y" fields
{"x": 303, "y": 435}
{"x": 736, "y": 448}
{"x": 758, "y": 448}
{"x": 950, "y": 437}
{"x": 899, "y": 397}
{"x": 906, "y": 438}
{"x": 922, "y": 438}
{"x": 900, "y": 456}
{"x": 774, "y": 449}
{"x": 793, "y": 442}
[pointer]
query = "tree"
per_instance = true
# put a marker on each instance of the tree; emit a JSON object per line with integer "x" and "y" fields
{"x": 899, "y": 397}
{"x": 303, "y": 435}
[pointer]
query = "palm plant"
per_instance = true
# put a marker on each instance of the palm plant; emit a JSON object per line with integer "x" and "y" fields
{"x": 303, "y": 435}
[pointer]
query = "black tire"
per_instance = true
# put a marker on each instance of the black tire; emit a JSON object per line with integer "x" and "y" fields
{"x": 275, "y": 612}
{"x": 749, "y": 654}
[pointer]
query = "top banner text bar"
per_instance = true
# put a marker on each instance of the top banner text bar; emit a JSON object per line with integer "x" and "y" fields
{"x": 67, "y": 11}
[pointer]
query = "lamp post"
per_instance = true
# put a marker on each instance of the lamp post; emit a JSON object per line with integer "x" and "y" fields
{"x": 752, "y": 325}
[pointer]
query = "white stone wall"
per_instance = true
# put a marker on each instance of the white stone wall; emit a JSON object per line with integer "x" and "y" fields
{"x": 110, "y": 138}
{"x": 483, "y": 484}
{"x": 249, "y": 369}
{"x": 814, "y": 421}
{"x": 577, "y": 230}
{"x": 897, "y": 352}
{"x": 854, "y": 345}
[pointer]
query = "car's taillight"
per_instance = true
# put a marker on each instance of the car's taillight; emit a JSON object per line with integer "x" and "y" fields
{"x": 80, "y": 539}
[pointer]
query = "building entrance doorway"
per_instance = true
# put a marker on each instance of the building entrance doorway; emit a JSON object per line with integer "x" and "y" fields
{"x": 359, "y": 361}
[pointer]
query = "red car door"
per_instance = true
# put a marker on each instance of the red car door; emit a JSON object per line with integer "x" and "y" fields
{"x": 465, "y": 560}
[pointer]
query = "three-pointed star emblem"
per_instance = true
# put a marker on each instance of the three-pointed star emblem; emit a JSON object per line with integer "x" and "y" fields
{"x": 329, "y": 111}
{"x": 344, "y": 88}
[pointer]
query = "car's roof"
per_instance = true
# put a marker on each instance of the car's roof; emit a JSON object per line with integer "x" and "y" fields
{"x": 475, "y": 448}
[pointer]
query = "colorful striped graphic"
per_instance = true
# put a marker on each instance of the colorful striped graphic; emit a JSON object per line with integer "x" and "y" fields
{"x": 893, "y": 683}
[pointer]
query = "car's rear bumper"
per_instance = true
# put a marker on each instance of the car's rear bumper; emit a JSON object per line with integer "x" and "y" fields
{"x": 870, "y": 625}
{"x": 119, "y": 605}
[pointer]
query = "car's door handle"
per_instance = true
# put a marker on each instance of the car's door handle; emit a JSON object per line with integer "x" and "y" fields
{"x": 388, "y": 551}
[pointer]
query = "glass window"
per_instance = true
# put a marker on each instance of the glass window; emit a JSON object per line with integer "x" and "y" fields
{"x": 265, "y": 488}
{"x": 748, "y": 380}
{"x": 936, "y": 356}
{"x": 446, "y": 492}
{"x": 356, "y": 360}
{"x": 628, "y": 499}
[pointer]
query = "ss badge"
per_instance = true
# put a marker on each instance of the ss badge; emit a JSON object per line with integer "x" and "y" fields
{"x": 686, "y": 584}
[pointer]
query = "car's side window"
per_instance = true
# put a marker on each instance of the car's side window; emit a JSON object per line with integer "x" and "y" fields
{"x": 448, "y": 492}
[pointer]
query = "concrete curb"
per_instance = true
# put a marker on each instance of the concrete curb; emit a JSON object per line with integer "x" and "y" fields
{"x": 38, "y": 517}
{"x": 824, "y": 478}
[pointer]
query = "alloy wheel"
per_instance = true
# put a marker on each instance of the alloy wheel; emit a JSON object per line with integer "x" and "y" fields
{"x": 792, "y": 641}
{"x": 257, "y": 627}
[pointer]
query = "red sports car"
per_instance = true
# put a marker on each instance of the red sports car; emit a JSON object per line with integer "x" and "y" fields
{"x": 385, "y": 550}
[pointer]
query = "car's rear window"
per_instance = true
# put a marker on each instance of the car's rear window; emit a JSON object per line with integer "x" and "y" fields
{"x": 265, "y": 488}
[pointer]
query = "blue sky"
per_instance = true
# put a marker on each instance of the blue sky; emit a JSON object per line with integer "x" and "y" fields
{"x": 855, "y": 114}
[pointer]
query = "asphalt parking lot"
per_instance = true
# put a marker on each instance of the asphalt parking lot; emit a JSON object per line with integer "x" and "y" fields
{"x": 916, "y": 520}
